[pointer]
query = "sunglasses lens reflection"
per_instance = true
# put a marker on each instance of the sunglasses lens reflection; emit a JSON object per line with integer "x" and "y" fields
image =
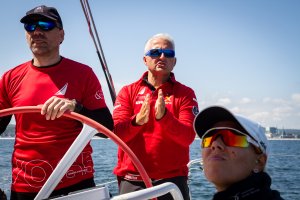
{"x": 169, "y": 53}
{"x": 43, "y": 25}
{"x": 230, "y": 138}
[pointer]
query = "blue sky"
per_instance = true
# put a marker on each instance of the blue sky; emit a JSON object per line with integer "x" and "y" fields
{"x": 243, "y": 55}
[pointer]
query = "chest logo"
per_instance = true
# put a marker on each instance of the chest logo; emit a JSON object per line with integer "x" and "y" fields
{"x": 62, "y": 91}
{"x": 142, "y": 91}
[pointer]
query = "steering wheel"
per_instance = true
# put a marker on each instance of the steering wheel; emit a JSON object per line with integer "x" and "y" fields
{"x": 88, "y": 131}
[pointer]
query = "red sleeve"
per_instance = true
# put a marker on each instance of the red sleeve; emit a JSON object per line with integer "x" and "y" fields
{"x": 123, "y": 115}
{"x": 4, "y": 101}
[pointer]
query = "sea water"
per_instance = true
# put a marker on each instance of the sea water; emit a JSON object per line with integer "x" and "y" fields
{"x": 283, "y": 166}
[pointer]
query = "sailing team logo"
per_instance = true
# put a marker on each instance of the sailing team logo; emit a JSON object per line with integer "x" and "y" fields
{"x": 62, "y": 91}
{"x": 99, "y": 95}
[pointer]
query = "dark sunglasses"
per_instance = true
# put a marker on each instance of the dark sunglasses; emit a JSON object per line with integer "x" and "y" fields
{"x": 169, "y": 53}
{"x": 43, "y": 25}
{"x": 230, "y": 136}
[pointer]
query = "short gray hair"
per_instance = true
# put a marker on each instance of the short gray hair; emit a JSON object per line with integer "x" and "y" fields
{"x": 159, "y": 35}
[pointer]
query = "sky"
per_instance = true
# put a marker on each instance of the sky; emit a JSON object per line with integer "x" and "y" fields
{"x": 244, "y": 55}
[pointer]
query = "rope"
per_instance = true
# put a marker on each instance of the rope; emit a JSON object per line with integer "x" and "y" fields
{"x": 93, "y": 32}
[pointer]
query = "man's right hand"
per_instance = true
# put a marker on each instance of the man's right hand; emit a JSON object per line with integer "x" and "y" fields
{"x": 55, "y": 107}
{"x": 143, "y": 116}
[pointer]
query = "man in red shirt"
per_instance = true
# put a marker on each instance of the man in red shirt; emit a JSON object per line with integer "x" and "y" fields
{"x": 154, "y": 116}
{"x": 58, "y": 84}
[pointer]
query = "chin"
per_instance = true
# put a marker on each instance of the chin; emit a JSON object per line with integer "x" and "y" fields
{"x": 215, "y": 174}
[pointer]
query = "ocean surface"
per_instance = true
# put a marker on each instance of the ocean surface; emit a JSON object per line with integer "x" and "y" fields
{"x": 283, "y": 166}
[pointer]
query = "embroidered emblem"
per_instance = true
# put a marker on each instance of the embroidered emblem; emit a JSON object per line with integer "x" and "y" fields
{"x": 62, "y": 91}
{"x": 99, "y": 95}
{"x": 168, "y": 99}
{"x": 38, "y": 9}
{"x": 142, "y": 91}
{"x": 195, "y": 110}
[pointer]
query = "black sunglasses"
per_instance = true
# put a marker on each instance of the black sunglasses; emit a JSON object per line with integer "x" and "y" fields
{"x": 43, "y": 25}
{"x": 169, "y": 53}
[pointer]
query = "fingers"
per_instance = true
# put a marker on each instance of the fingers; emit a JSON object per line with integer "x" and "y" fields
{"x": 160, "y": 107}
{"x": 55, "y": 107}
{"x": 143, "y": 116}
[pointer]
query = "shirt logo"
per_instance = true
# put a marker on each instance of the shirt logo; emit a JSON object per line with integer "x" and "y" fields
{"x": 168, "y": 100}
{"x": 62, "y": 91}
{"x": 38, "y": 9}
{"x": 139, "y": 102}
{"x": 99, "y": 95}
{"x": 140, "y": 98}
{"x": 195, "y": 110}
{"x": 142, "y": 91}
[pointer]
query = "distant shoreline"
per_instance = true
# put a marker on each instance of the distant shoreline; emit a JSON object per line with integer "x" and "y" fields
{"x": 12, "y": 138}
{"x": 98, "y": 138}
{"x": 283, "y": 138}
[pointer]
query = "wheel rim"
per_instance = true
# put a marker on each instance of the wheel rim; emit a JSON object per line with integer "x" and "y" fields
{"x": 92, "y": 123}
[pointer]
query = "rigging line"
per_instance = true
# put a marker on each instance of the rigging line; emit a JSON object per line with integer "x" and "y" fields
{"x": 88, "y": 16}
{"x": 96, "y": 33}
{"x": 99, "y": 45}
{"x": 88, "y": 22}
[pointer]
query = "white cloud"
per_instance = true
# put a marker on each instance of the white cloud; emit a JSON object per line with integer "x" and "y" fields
{"x": 268, "y": 111}
{"x": 261, "y": 117}
{"x": 236, "y": 110}
{"x": 296, "y": 99}
{"x": 245, "y": 100}
{"x": 224, "y": 101}
{"x": 274, "y": 101}
{"x": 282, "y": 111}
{"x": 266, "y": 99}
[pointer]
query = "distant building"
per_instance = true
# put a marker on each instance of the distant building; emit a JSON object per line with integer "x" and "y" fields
{"x": 271, "y": 132}
{"x": 274, "y": 132}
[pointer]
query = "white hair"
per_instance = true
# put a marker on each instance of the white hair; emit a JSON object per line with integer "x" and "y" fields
{"x": 164, "y": 36}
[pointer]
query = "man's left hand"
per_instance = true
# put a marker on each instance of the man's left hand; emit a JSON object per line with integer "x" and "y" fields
{"x": 160, "y": 107}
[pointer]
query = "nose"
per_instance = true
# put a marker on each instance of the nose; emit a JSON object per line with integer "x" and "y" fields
{"x": 162, "y": 55}
{"x": 218, "y": 144}
{"x": 38, "y": 30}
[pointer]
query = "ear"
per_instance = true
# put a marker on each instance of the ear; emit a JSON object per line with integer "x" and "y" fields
{"x": 62, "y": 35}
{"x": 145, "y": 60}
{"x": 174, "y": 63}
{"x": 261, "y": 162}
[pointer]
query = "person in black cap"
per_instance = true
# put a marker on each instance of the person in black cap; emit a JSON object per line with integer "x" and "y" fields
{"x": 49, "y": 14}
{"x": 234, "y": 152}
{"x": 58, "y": 84}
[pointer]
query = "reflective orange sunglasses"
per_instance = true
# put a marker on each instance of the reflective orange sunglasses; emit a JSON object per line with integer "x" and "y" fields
{"x": 230, "y": 136}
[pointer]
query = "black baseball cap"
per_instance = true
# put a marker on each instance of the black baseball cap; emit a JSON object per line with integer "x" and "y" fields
{"x": 42, "y": 13}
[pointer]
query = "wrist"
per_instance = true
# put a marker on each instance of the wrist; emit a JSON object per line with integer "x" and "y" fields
{"x": 134, "y": 122}
{"x": 77, "y": 106}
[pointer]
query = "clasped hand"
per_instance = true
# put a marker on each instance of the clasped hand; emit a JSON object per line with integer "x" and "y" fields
{"x": 55, "y": 107}
{"x": 160, "y": 108}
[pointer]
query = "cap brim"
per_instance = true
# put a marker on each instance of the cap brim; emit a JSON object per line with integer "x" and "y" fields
{"x": 206, "y": 119}
{"x": 36, "y": 16}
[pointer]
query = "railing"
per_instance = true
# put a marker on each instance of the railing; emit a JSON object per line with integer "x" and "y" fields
{"x": 152, "y": 192}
